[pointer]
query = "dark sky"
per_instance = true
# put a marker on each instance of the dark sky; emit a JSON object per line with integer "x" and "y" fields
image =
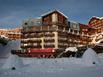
{"x": 13, "y": 12}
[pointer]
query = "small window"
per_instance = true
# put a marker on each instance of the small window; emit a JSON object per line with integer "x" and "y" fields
{"x": 26, "y": 23}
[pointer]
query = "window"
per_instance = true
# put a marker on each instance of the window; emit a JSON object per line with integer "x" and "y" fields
{"x": 26, "y": 23}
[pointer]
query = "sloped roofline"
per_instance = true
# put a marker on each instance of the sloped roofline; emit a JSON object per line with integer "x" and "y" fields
{"x": 52, "y": 12}
{"x": 96, "y": 17}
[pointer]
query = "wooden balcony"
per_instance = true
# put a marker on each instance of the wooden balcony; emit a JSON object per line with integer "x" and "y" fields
{"x": 62, "y": 41}
{"x": 49, "y": 46}
{"x": 49, "y": 34}
{"x": 31, "y": 40}
{"x": 55, "y": 23}
{"x": 49, "y": 40}
{"x": 49, "y": 28}
{"x": 24, "y": 40}
{"x": 31, "y": 45}
{"x": 23, "y": 46}
{"x": 34, "y": 41}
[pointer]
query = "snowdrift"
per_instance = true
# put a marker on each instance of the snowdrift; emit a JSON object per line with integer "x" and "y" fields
{"x": 5, "y": 50}
{"x": 61, "y": 67}
{"x": 13, "y": 61}
{"x": 90, "y": 58}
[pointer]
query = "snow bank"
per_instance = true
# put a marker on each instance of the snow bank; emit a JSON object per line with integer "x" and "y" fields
{"x": 90, "y": 58}
{"x": 5, "y": 50}
{"x": 13, "y": 61}
{"x": 58, "y": 67}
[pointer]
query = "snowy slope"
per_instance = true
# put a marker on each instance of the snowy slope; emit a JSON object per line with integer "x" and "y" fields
{"x": 90, "y": 57}
{"x": 5, "y": 50}
{"x": 59, "y": 67}
{"x": 65, "y": 67}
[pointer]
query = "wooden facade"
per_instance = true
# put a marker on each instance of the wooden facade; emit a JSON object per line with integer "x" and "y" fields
{"x": 55, "y": 32}
{"x": 97, "y": 24}
{"x": 54, "y": 17}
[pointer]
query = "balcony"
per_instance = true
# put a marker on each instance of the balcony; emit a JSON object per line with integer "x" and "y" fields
{"x": 33, "y": 29}
{"x": 63, "y": 41}
{"x": 49, "y": 28}
{"x": 24, "y": 46}
{"x": 34, "y": 41}
{"x": 34, "y": 45}
{"x": 49, "y": 46}
{"x": 24, "y": 40}
{"x": 60, "y": 38}
{"x": 49, "y": 40}
{"x": 49, "y": 34}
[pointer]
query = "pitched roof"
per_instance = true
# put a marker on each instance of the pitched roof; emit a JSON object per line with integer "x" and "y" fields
{"x": 50, "y": 12}
{"x": 97, "y": 17}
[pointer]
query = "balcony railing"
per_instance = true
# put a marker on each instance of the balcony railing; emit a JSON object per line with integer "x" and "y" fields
{"x": 49, "y": 40}
{"x": 39, "y": 29}
{"x": 49, "y": 46}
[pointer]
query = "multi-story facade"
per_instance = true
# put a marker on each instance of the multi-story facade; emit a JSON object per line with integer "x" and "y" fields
{"x": 97, "y": 24}
{"x": 3, "y": 32}
{"x": 51, "y": 33}
{"x": 12, "y": 34}
{"x": 53, "y": 30}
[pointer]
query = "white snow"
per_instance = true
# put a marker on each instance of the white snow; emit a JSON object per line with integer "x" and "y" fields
{"x": 5, "y": 50}
{"x": 90, "y": 57}
{"x": 12, "y": 61}
{"x": 70, "y": 49}
{"x": 73, "y": 49}
{"x": 53, "y": 11}
{"x": 58, "y": 67}
{"x": 3, "y": 36}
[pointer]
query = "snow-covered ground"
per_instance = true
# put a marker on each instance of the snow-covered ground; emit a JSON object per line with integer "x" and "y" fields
{"x": 90, "y": 65}
{"x": 5, "y": 50}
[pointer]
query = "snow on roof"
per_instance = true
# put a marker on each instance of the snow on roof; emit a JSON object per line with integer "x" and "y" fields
{"x": 3, "y": 29}
{"x": 3, "y": 36}
{"x": 52, "y": 12}
{"x": 74, "y": 22}
{"x": 97, "y": 17}
{"x": 72, "y": 49}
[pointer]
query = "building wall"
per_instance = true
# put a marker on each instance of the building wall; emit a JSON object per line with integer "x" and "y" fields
{"x": 3, "y": 32}
{"x": 56, "y": 32}
{"x": 54, "y": 17}
{"x": 47, "y": 37}
{"x": 97, "y": 24}
{"x": 12, "y": 34}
